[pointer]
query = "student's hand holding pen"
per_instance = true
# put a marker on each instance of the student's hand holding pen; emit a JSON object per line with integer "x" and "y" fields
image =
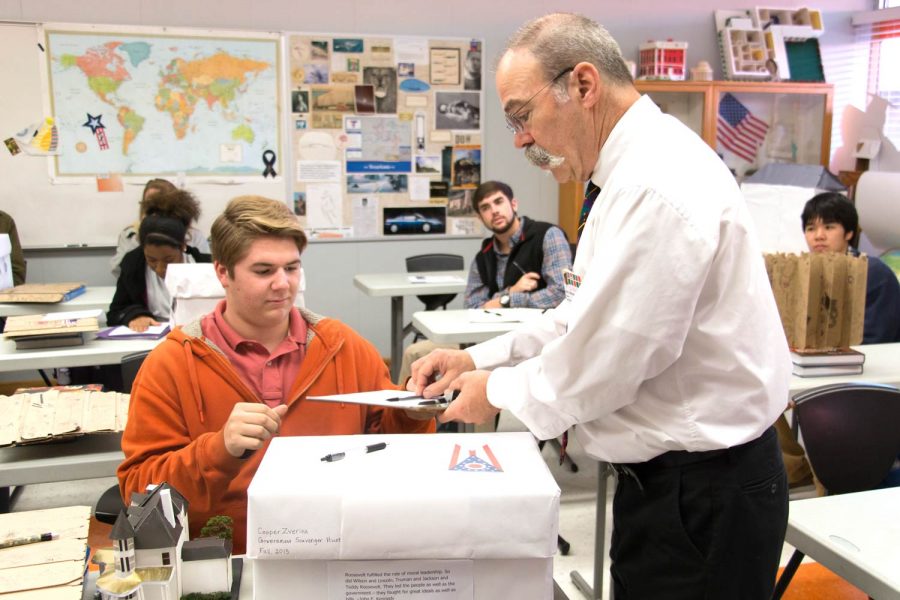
{"x": 249, "y": 425}
{"x": 526, "y": 283}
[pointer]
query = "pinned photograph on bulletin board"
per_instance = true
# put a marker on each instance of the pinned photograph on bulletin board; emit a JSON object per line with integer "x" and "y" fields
{"x": 466, "y": 167}
{"x": 418, "y": 220}
{"x": 457, "y": 110}
{"x": 428, "y": 164}
{"x": 333, "y": 98}
{"x": 459, "y": 203}
{"x": 300, "y": 101}
{"x": 377, "y": 183}
{"x": 384, "y": 80}
{"x": 472, "y": 67}
{"x": 365, "y": 99}
{"x": 300, "y": 204}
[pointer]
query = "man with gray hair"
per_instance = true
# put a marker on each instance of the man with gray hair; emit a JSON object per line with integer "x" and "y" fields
{"x": 668, "y": 352}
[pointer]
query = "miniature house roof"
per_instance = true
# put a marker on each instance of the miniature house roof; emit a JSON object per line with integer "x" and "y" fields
{"x": 152, "y": 529}
{"x": 806, "y": 176}
{"x": 180, "y": 502}
{"x": 205, "y": 548}
{"x": 122, "y": 530}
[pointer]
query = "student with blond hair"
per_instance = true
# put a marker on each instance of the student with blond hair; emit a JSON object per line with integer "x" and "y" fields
{"x": 209, "y": 398}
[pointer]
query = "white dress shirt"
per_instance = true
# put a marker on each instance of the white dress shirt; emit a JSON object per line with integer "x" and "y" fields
{"x": 673, "y": 340}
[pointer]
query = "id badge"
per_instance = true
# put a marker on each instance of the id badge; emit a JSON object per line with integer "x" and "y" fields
{"x": 572, "y": 283}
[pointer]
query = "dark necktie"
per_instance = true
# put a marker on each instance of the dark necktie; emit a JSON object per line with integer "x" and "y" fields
{"x": 590, "y": 195}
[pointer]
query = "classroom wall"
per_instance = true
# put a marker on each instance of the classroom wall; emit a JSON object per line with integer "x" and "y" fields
{"x": 330, "y": 266}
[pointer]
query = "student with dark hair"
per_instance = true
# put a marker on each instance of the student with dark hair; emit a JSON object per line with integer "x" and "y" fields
{"x": 522, "y": 263}
{"x": 141, "y": 297}
{"x": 161, "y": 197}
{"x": 830, "y": 224}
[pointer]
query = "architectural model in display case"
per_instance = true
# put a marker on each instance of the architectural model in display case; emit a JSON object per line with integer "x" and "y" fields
{"x": 663, "y": 60}
{"x": 753, "y": 42}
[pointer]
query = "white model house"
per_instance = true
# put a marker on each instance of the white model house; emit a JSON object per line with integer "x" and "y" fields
{"x": 153, "y": 559}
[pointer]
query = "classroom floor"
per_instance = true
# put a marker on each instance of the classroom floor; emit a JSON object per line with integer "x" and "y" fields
{"x": 576, "y": 525}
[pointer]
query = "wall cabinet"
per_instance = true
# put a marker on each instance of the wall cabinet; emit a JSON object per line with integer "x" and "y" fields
{"x": 798, "y": 116}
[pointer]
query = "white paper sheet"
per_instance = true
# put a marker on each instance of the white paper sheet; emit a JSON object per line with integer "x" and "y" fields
{"x": 435, "y": 279}
{"x": 419, "y": 188}
{"x": 408, "y": 579}
{"x": 324, "y": 208}
{"x": 319, "y": 170}
{"x": 125, "y": 331}
{"x": 502, "y": 315}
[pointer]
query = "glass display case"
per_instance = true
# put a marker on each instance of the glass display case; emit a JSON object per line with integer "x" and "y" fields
{"x": 796, "y": 116}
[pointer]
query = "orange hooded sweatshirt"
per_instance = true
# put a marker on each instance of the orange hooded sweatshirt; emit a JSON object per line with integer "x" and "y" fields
{"x": 184, "y": 393}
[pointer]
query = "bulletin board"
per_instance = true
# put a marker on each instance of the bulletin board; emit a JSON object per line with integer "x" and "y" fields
{"x": 386, "y": 134}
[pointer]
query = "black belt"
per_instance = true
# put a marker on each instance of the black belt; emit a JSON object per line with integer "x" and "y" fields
{"x": 680, "y": 458}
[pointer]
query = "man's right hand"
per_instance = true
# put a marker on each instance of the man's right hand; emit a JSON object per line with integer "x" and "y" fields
{"x": 526, "y": 283}
{"x": 449, "y": 364}
{"x": 249, "y": 426}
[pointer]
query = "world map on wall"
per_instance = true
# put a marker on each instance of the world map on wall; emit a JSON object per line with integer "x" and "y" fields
{"x": 145, "y": 104}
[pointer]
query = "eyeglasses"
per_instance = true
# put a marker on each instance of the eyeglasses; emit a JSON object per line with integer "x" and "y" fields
{"x": 513, "y": 122}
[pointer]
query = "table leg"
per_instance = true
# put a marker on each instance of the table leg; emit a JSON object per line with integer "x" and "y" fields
{"x": 596, "y": 592}
{"x": 396, "y": 335}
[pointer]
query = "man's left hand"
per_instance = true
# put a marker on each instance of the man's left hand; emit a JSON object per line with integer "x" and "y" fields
{"x": 471, "y": 406}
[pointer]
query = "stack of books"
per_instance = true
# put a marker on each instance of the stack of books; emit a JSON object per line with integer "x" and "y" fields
{"x": 51, "y": 330}
{"x": 42, "y": 292}
{"x": 823, "y": 363}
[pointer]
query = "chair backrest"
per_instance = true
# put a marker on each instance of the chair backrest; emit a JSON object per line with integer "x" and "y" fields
{"x": 131, "y": 364}
{"x": 435, "y": 262}
{"x": 851, "y": 432}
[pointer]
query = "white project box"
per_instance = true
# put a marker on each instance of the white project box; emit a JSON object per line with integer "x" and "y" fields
{"x": 195, "y": 290}
{"x": 483, "y": 503}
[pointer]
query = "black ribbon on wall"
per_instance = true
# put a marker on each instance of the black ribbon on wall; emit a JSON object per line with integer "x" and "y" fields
{"x": 268, "y": 158}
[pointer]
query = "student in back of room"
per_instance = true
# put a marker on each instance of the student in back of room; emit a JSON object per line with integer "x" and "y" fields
{"x": 161, "y": 197}
{"x": 208, "y": 399}
{"x": 831, "y": 224}
{"x": 8, "y": 226}
{"x": 141, "y": 297}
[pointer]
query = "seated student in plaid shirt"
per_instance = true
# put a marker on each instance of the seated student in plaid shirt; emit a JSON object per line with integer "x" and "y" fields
{"x": 520, "y": 265}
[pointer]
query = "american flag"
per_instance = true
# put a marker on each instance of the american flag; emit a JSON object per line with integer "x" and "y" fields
{"x": 738, "y": 130}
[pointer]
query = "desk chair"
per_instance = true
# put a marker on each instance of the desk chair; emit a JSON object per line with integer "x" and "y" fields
{"x": 110, "y": 503}
{"x": 432, "y": 262}
{"x": 852, "y": 439}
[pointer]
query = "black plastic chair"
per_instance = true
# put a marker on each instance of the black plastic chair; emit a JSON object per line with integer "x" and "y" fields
{"x": 110, "y": 503}
{"x": 433, "y": 262}
{"x": 852, "y": 438}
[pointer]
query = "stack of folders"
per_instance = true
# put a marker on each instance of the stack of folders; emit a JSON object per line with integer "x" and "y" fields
{"x": 823, "y": 363}
{"x": 51, "y": 330}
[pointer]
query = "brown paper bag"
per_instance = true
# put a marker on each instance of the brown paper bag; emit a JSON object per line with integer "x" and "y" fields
{"x": 820, "y": 298}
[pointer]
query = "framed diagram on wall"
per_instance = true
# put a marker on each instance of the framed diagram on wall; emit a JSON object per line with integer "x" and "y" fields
{"x": 384, "y": 131}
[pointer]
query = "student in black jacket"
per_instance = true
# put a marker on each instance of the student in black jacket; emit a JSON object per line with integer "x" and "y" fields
{"x": 141, "y": 298}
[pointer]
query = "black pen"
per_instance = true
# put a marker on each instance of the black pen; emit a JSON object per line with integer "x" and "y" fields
{"x": 433, "y": 402}
{"x": 399, "y": 398}
{"x": 362, "y": 450}
{"x": 519, "y": 267}
{"x": 496, "y": 314}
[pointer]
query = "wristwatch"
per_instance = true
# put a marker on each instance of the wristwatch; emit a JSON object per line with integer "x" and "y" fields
{"x": 504, "y": 300}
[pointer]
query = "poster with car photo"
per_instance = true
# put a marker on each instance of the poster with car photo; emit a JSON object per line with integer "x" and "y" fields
{"x": 415, "y": 221}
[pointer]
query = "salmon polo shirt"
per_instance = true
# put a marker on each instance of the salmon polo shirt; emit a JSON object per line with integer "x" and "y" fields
{"x": 270, "y": 376}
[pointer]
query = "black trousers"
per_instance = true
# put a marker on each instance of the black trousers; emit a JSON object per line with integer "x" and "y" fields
{"x": 700, "y": 524}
